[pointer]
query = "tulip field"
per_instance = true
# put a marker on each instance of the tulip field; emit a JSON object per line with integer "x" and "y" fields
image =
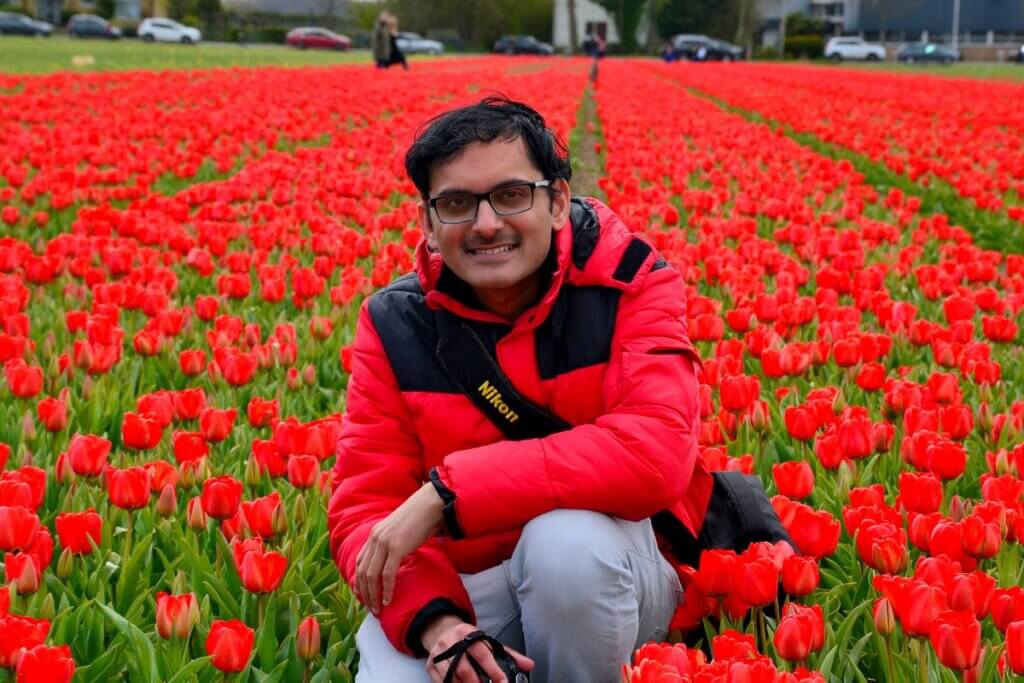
{"x": 182, "y": 261}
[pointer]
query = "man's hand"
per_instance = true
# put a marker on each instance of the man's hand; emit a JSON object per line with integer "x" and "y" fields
{"x": 448, "y": 630}
{"x": 390, "y": 540}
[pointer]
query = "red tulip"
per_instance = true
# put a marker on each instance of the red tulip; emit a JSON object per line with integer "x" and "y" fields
{"x": 88, "y": 454}
{"x": 21, "y": 569}
{"x": 158, "y": 405}
{"x": 956, "y": 637}
{"x": 307, "y": 639}
{"x": 189, "y": 446}
{"x": 53, "y": 414}
{"x": 717, "y": 566}
{"x": 980, "y": 539}
{"x": 972, "y": 592}
{"x": 920, "y": 493}
{"x": 230, "y": 645}
{"x": 42, "y": 664}
{"x": 75, "y": 529}
{"x": 800, "y": 575}
{"x": 816, "y": 533}
{"x": 262, "y": 572}
{"x": 18, "y": 528}
{"x": 215, "y": 425}
{"x": 221, "y": 496}
{"x": 651, "y": 671}
{"x": 855, "y": 439}
{"x": 128, "y": 488}
{"x": 919, "y": 607}
{"x": 1015, "y": 647}
{"x": 801, "y": 422}
{"x": 731, "y": 645}
{"x": 794, "y": 479}
{"x": 262, "y": 412}
{"x": 756, "y": 582}
{"x": 800, "y": 632}
{"x": 260, "y": 512}
{"x": 18, "y": 633}
{"x": 678, "y": 656}
{"x": 24, "y": 381}
{"x": 303, "y": 471}
{"x": 188, "y": 403}
{"x": 192, "y": 362}
{"x": 176, "y": 615}
{"x": 884, "y": 616}
{"x": 882, "y": 547}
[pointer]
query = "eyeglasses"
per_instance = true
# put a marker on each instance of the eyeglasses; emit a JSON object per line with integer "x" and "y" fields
{"x": 508, "y": 200}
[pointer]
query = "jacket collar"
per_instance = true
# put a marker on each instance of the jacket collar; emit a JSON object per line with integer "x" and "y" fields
{"x": 585, "y": 252}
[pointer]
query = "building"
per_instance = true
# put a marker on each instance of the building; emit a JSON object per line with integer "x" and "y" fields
{"x": 590, "y": 18}
{"x": 901, "y": 20}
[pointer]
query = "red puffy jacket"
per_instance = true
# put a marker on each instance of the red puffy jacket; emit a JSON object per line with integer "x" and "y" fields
{"x": 605, "y": 349}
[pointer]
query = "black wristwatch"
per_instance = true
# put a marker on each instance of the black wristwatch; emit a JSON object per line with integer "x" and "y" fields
{"x": 451, "y": 520}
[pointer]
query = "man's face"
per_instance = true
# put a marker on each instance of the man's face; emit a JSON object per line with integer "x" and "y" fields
{"x": 495, "y": 255}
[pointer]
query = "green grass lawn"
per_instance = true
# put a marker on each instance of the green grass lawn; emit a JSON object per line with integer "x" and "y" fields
{"x": 1009, "y": 71}
{"x": 44, "y": 55}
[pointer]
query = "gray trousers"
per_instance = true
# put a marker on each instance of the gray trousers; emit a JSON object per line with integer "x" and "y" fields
{"x": 581, "y": 591}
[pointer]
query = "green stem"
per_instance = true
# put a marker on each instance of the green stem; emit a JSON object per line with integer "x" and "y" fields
{"x": 890, "y": 668}
{"x": 922, "y": 660}
{"x": 762, "y": 629}
{"x": 128, "y": 537}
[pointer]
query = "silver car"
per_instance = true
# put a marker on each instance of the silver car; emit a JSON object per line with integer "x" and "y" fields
{"x": 413, "y": 43}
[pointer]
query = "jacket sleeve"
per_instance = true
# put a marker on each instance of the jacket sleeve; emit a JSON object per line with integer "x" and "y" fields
{"x": 632, "y": 462}
{"x": 380, "y": 464}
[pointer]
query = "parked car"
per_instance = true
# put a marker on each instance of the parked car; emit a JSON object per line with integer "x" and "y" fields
{"x": 316, "y": 37}
{"x": 168, "y": 31}
{"x": 700, "y": 48}
{"x": 852, "y": 47}
{"x": 12, "y": 23}
{"x": 413, "y": 43}
{"x": 927, "y": 52}
{"x": 522, "y": 45}
{"x": 92, "y": 26}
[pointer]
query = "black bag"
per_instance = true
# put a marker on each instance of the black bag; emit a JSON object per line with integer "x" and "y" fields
{"x": 739, "y": 512}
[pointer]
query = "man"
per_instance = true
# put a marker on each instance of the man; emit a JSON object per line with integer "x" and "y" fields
{"x": 381, "y": 41}
{"x": 440, "y": 523}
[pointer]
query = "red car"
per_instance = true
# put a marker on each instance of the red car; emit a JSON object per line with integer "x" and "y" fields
{"x": 312, "y": 36}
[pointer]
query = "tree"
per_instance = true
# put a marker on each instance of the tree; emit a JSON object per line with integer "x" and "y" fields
{"x": 716, "y": 18}
{"x": 105, "y": 8}
{"x": 627, "y": 15}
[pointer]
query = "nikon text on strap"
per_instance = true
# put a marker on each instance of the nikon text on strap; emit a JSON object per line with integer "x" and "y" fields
{"x": 471, "y": 368}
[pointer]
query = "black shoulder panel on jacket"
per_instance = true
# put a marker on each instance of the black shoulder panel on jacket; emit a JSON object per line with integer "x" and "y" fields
{"x": 408, "y": 333}
{"x": 634, "y": 257}
{"x": 578, "y": 332}
{"x": 586, "y": 230}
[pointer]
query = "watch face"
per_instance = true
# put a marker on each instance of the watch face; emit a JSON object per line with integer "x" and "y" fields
{"x": 521, "y": 678}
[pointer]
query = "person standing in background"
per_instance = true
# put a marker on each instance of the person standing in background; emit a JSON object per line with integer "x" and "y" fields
{"x": 380, "y": 41}
{"x": 397, "y": 56}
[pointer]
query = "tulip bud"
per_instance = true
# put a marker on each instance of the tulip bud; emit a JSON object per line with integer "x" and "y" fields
{"x": 196, "y": 516}
{"x": 62, "y": 469}
{"x": 279, "y": 521}
{"x": 26, "y": 457}
{"x": 66, "y": 564}
{"x": 985, "y": 418}
{"x": 47, "y": 610}
{"x": 49, "y": 344}
{"x": 88, "y": 386}
{"x": 838, "y": 403}
{"x": 958, "y": 508}
{"x": 253, "y": 474}
{"x": 187, "y": 474}
{"x": 309, "y": 374}
{"x": 1003, "y": 465}
{"x": 759, "y": 418}
{"x": 885, "y": 617}
{"x": 26, "y": 580}
{"x": 307, "y": 639}
{"x": 28, "y": 427}
{"x": 180, "y": 583}
{"x": 203, "y": 471}
{"x": 167, "y": 504}
{"x": 847, "y": 477}
{"x": 299, "y": 511}
{"x": 292, "y": 379}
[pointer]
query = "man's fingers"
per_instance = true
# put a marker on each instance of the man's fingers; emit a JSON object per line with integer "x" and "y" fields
{"x": 485, "y": 658}
{"x": 373, "y": 568}
{"x": 435, "y": 675}
{"x": 389, "y": 573}
{"x": 522, "y": 661}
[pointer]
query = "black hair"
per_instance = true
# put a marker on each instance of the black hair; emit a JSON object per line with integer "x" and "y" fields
{"x": 494, "y": 118}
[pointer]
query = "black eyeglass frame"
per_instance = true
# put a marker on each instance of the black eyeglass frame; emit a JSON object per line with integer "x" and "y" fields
{"x": 481, "y": 196}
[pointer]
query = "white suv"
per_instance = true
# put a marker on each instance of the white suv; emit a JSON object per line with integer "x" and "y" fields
{"x": 168, "y": 31}
{"x": 852, "y": 47}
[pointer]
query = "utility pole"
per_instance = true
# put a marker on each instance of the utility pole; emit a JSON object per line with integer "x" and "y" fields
{"x": 782, "y": 29}
{"x": 956, "y": 25}
{"x": 573, "y": 44}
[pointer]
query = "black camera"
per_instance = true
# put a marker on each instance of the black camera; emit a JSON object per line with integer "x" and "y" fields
{"x": 504, "y": 660}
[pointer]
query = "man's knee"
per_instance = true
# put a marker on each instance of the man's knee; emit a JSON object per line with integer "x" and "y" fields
{"x": 569, "y": 554}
